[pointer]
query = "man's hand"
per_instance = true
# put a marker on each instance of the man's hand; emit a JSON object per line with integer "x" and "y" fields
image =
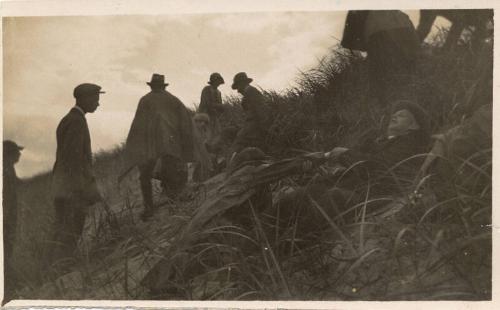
{"x": 333, "y": 154}
{"x": 336, "y": 152}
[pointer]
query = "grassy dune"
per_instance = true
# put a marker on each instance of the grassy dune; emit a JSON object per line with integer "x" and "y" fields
{"x": 417, "y": 248}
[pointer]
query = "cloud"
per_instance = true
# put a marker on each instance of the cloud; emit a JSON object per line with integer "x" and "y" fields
{"x": 249, "y": 23}
{"x": 46, "y": 57}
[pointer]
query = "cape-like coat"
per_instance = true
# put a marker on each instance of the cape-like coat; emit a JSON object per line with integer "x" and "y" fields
{"x": 161, "y": 126}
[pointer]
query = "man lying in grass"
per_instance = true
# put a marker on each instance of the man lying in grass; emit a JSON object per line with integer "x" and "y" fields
{"x": 379, "y": 167}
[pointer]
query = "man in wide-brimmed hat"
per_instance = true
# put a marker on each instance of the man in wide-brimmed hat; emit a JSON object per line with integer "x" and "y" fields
{"x": 11, "y": 155}
{"x": 160, "y": 137}
{"x": 256, "y": 123}
{"x": 73, "y": 183}
{"x": 211, "y": 105}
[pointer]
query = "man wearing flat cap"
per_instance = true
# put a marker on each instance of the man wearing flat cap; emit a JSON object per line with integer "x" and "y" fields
{"x": 253, "y": 132}
{"x": 11, "y": 155}
{"x": 160, "y": 141}
{"x": 211, "y": 104}
{"x": 73, "y": 182}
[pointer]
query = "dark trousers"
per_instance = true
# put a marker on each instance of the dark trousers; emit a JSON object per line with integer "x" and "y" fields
{"x": 392, "y": 58}
{"x": 173, "y": 177}
{"x": 70, "y": 216}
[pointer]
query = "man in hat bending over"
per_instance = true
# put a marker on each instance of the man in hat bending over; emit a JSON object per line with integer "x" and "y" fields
{"x": 73, "y": 182}
{"x": 11, "y": 155}
{"x": 256, "y": 123}
{"x": 211, "y": 104}
{"x": 160, "y": 140}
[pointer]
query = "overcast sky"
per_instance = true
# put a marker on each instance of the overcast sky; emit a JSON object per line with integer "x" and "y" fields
{"x": 46, "y": 57}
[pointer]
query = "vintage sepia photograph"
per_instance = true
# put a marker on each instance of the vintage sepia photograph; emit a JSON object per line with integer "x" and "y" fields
{"x": 335, "y": 155}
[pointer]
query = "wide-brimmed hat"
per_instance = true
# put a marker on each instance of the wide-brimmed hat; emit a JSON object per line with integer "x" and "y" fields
{"x": 87, "y": 89}
{"x": 157, "y": 79}
{"x": 421, "y": 116}
{"x": 239, "y": 78}
{"x": 10, "y": 146}
{"x": 215, "y": 77}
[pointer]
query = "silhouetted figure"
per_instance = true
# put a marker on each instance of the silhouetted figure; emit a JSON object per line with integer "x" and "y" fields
{"x": 160, "y": 141}
{"x": 11, "y": 155}
{"x": 391, "y": 43}
{"x": 460, "y": 20}
{"x": 73, "y": 181}
{"x": 211, "y": 104}
{"x": 254, "y": 129}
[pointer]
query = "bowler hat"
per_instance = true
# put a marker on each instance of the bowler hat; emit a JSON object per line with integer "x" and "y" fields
{"x": 11, "y": 146}
{"x": 420, "y": 115}
{"x": 87, "y": 89}
{"x": 157, "y": 79}
{"x": 215, "y": 77}
{"x": 239, "y": 78}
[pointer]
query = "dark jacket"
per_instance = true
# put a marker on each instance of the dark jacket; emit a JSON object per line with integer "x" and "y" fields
{"x": 73, "y": 173}
{"x": 389, "y": 152}
{"x": 10, "y": 182}
{"x": 390, "y": 163}
{"x": 361, "y": 25}
{"x": 211, "y": 102}
{"x": 257, "y": 119}
{"x": 254, "y": 106}
{"x": 161, "y": 126}
{"x": 353, "y": 37}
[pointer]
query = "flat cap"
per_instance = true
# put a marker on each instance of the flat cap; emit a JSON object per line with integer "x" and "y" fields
{"x": 86, "y": 89}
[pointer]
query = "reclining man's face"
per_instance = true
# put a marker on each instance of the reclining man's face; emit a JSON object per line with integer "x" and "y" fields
{"x": 401, "y": 122}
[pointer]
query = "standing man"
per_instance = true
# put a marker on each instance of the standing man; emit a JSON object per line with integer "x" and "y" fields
{"x": 160, "y": 142}
{"x": 11, "y": 155}
{"x": 73, "y": 184}
{"x": 211, "y": 104}
{"x": 391, "y": 42}
{"x": 256, "y": 123}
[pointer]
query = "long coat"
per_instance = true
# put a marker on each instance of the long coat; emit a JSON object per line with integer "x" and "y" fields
{"x": 210, "y": 101}
{"x": 354, "y": 28}
{"x": 360, "y": 25}
{"x": 73, "y": 173}
{"x": 161, "y": 126}
{"x": 211, "y": 104}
